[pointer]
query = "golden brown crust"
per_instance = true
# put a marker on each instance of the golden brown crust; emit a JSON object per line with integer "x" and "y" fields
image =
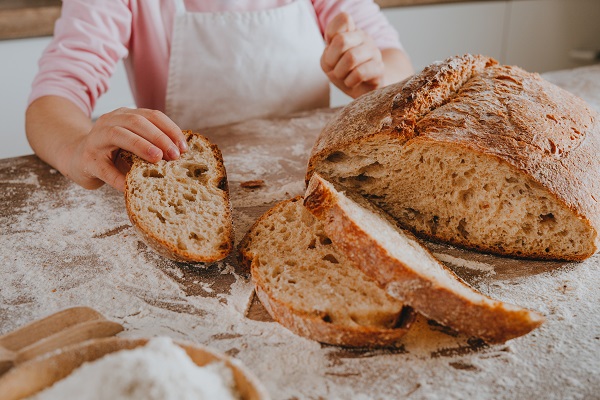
{"x": 170, "y": 250}
{"x": 312, "y": 325}
{"x": 494, "y": 323}
{"x": 543, "y": 131}
{"x": 395, "y": 109}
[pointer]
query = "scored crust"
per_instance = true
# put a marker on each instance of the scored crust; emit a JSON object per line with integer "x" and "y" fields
{"x": 407, "y": 271}
{"x": 313, "y": 323}
{"x": 216, "y": 179}
{"x": 395, "y": 109}
{"x": 515, "y": 119}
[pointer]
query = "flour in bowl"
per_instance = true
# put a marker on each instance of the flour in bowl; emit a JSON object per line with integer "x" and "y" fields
{"x": 160, "y": 370}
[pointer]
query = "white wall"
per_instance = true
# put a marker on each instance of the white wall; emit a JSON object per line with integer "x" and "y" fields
{"x": 18, "y": 66}
{"x": 430, "y": 33}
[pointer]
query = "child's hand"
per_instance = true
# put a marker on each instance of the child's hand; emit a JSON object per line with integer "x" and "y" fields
{"x": 351, "y": 59}
{"x": 149, "y": 134}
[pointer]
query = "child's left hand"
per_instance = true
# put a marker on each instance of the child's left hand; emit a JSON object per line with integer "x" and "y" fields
{"x": 351, "y": 59}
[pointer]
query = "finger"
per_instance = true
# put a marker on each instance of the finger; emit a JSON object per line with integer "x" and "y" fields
{"x": 107, "y": 172}
{"x": 339, "y": 45}
{"x": 122, "y": 138}
{"x": 141, "y": 126}
{"x": 166, "y": 125}
{"x": 342, "y": 22}
{"x": 353, "y": 58}
{"x": 369, "y": 73}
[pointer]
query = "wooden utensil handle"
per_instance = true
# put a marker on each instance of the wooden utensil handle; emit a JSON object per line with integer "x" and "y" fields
{"x": 74, "y": 334}
{"x": 37, "y": 330}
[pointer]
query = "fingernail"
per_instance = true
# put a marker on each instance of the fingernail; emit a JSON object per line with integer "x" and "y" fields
{"x": 154, "y": 152}
{"x": 173, "y": 153}
{"x": 182, "y": 145}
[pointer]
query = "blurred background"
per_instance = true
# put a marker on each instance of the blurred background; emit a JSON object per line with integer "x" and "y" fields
{"x": 537, "y": 35}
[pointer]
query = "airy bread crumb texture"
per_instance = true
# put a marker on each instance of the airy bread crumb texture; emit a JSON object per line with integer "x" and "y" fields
{"x": 474, "y": 200}
{"x": 182, "y": 207}
{"x": 295, "y": 264}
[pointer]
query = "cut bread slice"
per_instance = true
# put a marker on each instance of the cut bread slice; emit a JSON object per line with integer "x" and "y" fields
{"x": 407, "y": 271}
{"x": 476, "y": 154}
{"x": 181, "y": 208}
{"x": 311, "y": 288}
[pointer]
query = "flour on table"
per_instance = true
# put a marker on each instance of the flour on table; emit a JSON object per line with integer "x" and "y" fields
{"x": 160, "y": 370}
{"x": 459, "y": 262}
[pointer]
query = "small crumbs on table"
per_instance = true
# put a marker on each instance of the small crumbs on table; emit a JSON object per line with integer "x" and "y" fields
{"x": 254, "y": 184}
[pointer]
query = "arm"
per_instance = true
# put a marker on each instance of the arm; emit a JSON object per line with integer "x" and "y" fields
{"x": 89, "y": 40}
{"x": 354, "y": 63}
{"x": 61, "y": 134}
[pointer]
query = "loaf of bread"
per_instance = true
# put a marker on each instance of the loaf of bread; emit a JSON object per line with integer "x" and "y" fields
{"x": 407, "y": 270}
{"x": 476, "y": 154}
{"x": 311, "y": 288}
{"x": 181, "y": 208}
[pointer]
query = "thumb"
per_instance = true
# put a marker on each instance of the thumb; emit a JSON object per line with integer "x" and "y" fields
{"x": 342, "y": 22}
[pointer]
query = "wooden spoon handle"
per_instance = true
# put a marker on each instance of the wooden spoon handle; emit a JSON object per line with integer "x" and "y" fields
{"x": 7, "y": 359}
{"x": 37, "y": 330}
{"x": 74, "y": 334}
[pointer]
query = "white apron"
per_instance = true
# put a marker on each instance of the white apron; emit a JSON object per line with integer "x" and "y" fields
{"x": 230, "y": 66}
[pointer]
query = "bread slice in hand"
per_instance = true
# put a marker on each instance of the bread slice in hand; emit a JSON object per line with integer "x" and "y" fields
{"x": 181, "y": 208}
{"x": 407, "y": 271}
{"x": 311, "y": 288}
{"x": 477, "y": 154}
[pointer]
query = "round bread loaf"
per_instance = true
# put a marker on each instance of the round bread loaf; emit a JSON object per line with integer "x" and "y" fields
{"x": 476, "y": 154}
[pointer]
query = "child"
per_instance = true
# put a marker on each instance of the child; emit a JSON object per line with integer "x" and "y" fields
{"x": 196, "y": 64}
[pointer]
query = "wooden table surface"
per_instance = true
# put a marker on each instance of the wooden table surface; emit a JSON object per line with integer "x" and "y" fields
{"x": 62, "y": 246}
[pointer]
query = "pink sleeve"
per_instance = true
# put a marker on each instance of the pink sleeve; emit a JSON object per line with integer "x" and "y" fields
{"x": 367, "y": 16}
{"x": 90, "y": 37}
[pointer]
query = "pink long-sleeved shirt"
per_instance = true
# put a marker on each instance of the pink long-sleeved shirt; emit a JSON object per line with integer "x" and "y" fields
{"x": 91, "y": 37}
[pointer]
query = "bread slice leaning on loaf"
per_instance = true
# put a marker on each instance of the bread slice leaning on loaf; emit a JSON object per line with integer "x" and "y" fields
{"x": 311, "y": 288}
{"x": 181, "y": 208}
{"x": 407, "y": 271}
{"x": 481, "y": 155}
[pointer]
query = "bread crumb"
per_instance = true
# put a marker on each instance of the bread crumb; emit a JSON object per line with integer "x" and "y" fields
{"x": 255, "y": 184}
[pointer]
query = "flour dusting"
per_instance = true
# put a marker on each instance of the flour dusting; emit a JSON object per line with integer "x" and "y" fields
{"x": 459, "y": 262}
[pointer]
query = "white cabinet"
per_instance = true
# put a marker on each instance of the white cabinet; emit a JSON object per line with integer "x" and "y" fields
{"x": 430, "y": 33}
{"x": 537, "y": 35}
{"x": 542, "y": 33}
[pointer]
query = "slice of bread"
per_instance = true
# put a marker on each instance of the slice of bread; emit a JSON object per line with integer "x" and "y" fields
{"x": 311, "y": 288}
{"x": 181, "y": 208}
{"x": 476, "y": 154}
{"x": 407, "y": 271}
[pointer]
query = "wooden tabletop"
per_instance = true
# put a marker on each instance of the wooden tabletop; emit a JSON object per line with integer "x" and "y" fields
{"x": 63, "y": 246}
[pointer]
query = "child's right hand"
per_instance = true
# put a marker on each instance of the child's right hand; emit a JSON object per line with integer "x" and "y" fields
{"x": 149, "y": 134}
